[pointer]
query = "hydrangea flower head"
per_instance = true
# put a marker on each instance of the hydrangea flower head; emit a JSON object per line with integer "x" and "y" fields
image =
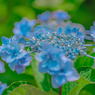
{"x": 50, "y": 59}
{"x": 61, "y": 15}
{"x": 70, "y": 41}
{"x": 2, "y": 87}
{"x": 2, "y": 69}
{"x": 15, "y": 55}
{"x": 67, "y": 73}
{"x": 24, "y": 27}
{"x": 45, "y": 16}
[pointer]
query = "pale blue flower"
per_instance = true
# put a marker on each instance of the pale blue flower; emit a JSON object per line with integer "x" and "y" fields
{"x": 2, "y": 69}
{"x": 45, "y": 16}
{"x": 15, "y": 55}
{"x": 61, "y": 15}
{"x": 24, "y": 27}
{"x": 39, "y": 31}
{"x": 6, "y": 41}
{"x": 2, "y": 87}
{"x": 74, "y": 31}
{"x": 67, "y": 73}
{"x": 50, "y": 59}
{"x": 92, "y": 29}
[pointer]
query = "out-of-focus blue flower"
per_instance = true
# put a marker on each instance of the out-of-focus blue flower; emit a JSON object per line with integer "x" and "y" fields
{"x": 2, "y": 87}
{"x": 67, "y": 73}
{"x": 50, "y": 59}
{"x": 15, "y": 55}
{"x": 39, "y": 31}
{"x": 92, "y": 29}
{"x": 74, "y": 31}
{"x": 2, "y": 69}
{"x": 6, "y": 41}
{"x": 45, "y": 16}
{"x": 24, "y": 27}
{"x": 61, "y": 15}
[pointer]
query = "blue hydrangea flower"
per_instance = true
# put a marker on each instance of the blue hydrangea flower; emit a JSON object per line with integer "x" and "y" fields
{"x": 92, "y": 29}
{"x": 50, "y": 59}
{"x": 45, "y": 16}
{"x": 6, "y": 41}
{"x": 2, "y": 69}
{"x": 2, "y": 87}
{"x": 67, "y": 73}
{"x": 61, "y": 15}
{"x": 15, "y": 55}
{"x": 24, "y": 28}
{"x": 39, "y": 31}
{"x": 74, "y": 31}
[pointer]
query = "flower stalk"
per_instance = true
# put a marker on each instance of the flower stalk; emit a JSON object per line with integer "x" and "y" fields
{"x": 60, "y": 90}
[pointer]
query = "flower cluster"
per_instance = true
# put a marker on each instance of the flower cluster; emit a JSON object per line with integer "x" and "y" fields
{"x": 24, "y": 28}
{"x": 14, "y": 54}
{"x": 69, "y": 40}
{"x": 56, "y": 41}
{"x": 54, "y": 62}
{"x": 2, "y": 87}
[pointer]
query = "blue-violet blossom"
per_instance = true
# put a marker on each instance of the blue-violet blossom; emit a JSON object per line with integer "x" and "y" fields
{"x": 45, "y": 16}
{"x": 17, "y": 58}
{"x": 2, "y": 87}
{"x": 67, "y": 73}
{"x": 24, "y": 28}
{"x": 2, "y": 69}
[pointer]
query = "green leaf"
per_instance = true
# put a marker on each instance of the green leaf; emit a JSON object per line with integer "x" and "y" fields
{"x": 88, "y": 90}
{"x": 13, "y": 86}
{"x": 27, "y": 89}
{"x": 82, "y": 83}
{"x": 68, "y": 87}
{"x": 84, "y": 62}
{"x": 43, "y": 80}
{"x": 83, "y": 72}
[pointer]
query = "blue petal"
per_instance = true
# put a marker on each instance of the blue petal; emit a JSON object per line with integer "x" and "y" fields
{"x": 25, "y": 61}
{"x": 58, "y": 81}
{"x": 20, "y": 69}
{"x": 10, "y": 59}
{"x": 31, "y": 23}
{"x": 38, "y": 27}
{"x": 20, "y": 55}
{"x": 4, "y": 55}
{"x": 41, "y": 56}
{"x": 41, "y": 69}
{"x": 92, "y": 29}
{"x": 2, "y": 69}
{"x": 5, "y": 40}
{"x": 13, "y": 65}
{"x": 60, "y": 30}
{"x": 17, "y": 31}
{"x": 4, "y": 86}
{"x": 68, "y": 65}
{"x": 53, "y": 72}
{"x": 45, "y": 16}
{"x": 54, "y": 65}
{"x": 72, "y": 76}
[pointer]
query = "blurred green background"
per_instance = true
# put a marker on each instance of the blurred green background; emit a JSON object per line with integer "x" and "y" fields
{"x": 11, "y": 11}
